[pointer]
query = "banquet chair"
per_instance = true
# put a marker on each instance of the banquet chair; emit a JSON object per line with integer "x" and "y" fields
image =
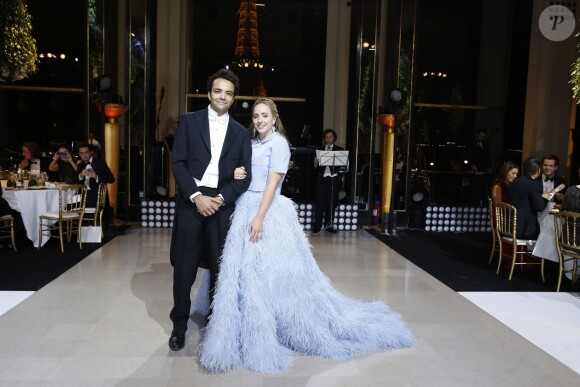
{"x": 492, "y": 218}
{"x": 96, "y": 214}
{"x": 7, "y": 229}
{"x": 567, "y": 225}
{"x": 68, "y": 219}
{"x": 506, "y": 219}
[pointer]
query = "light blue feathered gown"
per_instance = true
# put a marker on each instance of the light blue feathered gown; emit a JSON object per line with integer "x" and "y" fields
{"x": 272, "y": 299}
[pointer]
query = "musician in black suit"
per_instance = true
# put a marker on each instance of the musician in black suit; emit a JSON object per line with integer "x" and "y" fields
{"x": 96, "y": 170}
{"x": 208, "y": 146}
{"x": 327, "y": 187}
{"x": 525, "y": 194}
{"x": 478, "y": 155}
{"x": 549, "y": 180}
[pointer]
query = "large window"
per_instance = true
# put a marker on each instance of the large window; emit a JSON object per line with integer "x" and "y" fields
{"x": 48, "y": 107}
{"x": 291, "y": 38}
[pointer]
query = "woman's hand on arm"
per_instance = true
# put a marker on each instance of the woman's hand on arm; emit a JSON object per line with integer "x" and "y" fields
{"x": 240, "y": 173}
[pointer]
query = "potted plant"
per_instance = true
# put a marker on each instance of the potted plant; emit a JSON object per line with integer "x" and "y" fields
{"x": 18, "y": 56}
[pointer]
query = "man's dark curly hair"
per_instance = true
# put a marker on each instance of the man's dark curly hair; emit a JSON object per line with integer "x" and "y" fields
{"x": 224, "y": 74}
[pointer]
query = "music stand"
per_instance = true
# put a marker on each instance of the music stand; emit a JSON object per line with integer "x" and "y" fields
{"x": 332, "y": 159}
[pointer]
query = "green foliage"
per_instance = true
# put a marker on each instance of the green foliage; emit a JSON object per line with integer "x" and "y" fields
{"x": 18, "y": 56}
{"x": 575, "y": 79}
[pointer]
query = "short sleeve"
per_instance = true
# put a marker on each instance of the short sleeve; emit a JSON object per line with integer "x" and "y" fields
{"x": 280, "y": 156}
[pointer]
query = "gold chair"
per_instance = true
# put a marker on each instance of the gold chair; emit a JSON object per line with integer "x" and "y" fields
{"x": 492, "y": 222}
{"x": 7, "y": 229}
{"x": 68, "y": 219}
{"x": 96, "y": 214}
{"x": 567, "y": 225}
{"x": 506, "y": 218}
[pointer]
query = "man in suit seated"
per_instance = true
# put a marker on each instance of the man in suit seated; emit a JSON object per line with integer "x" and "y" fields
{"x": 550, "y": 181}
{"x": 94, "y": 171}
{"x": 525, "y": 194}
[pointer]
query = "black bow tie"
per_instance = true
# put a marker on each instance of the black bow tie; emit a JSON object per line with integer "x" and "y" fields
{"x": 33, "y": 162}
{"x": 548, "y": 179}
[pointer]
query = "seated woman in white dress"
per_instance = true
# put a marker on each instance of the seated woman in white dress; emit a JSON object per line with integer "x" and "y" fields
{"x": 271, "y": 299}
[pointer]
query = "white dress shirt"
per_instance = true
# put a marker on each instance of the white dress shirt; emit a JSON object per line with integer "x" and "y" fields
{"x": 327, "y": 169}
{"x": 218, "y": 126}
{"x": 548, "y": 185}
{"x": 35, "y": 166}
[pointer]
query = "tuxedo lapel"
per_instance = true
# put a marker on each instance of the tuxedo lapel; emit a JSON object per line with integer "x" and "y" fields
{"x": 229, "y": 139}
{"x": 203, "y": 127}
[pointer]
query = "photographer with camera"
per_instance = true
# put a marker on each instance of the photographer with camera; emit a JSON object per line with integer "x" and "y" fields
{"x": 64, "y": 165}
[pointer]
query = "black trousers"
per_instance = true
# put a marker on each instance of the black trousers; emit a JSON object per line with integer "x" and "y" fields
{"x": 325, "y": 200}
{"x": 195, "y": 238}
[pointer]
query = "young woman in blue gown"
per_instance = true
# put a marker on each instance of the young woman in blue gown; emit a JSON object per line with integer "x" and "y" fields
{"x": 271, "y": 299}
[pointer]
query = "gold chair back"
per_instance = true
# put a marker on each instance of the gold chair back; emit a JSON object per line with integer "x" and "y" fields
{"x": 567, "y": 229}
{"x": 68, "y": 219}
{"x": 7, "y": 229}
{"x": 506, "y": 221}
{"x": 492, "y": 222}
{"x": 96, "y": 214}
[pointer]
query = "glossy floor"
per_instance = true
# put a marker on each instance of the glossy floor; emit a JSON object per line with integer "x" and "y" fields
{"x": 105, "y": 323}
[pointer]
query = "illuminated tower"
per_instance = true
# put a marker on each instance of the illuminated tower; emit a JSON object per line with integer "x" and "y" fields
{"x": 247, "y": 56}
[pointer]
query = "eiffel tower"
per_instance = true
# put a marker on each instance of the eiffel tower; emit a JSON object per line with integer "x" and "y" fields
{"x": 247, "y": 61}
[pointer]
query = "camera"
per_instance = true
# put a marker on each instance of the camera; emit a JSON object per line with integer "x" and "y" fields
{"x": 63, "y": 155}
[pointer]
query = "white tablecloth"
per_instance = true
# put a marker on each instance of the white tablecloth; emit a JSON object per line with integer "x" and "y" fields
{"x": 546, "y": 243}
{"x": 31, "y": 204}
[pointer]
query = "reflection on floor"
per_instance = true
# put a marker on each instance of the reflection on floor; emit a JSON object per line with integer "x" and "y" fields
{"x": 105, "y": 322}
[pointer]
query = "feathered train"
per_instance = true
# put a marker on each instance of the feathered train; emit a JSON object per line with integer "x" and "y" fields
{"x": 272, "y": 299}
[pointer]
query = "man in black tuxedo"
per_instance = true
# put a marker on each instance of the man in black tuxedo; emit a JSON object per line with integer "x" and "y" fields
{"x": 94, "y": 169}
{"x": 327, "y": 187}
{"x": 207, "y": 148}
{"x": 525, "y": 194}
{"x": 478, "y": 154}
{"x": 549, "y": 180}
{"x": 97, "y": 172}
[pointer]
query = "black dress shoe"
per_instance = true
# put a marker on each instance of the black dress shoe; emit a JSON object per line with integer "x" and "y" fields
{"x": 315, "y": 230}
{"x": 177, "y": 340}
{"x": 332, "y": 230}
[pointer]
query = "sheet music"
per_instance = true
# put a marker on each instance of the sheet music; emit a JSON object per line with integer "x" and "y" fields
{"x": 332, "y": 158}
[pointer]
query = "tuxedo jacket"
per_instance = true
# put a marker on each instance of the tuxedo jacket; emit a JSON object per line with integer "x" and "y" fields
{"x": 103, "y": 173}
{"x": 320, "y": 169}
{"x": 191, "y": 155}
{"x": 478, "y": 156}
{"x": 525, "y": 194}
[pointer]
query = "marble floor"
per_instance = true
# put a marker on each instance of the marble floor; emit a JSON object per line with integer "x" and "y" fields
{"x": 105, "y": 323}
